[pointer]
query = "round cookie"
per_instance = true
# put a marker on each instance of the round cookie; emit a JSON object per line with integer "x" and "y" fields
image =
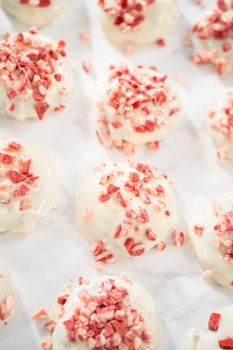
{"x": 28, "y": 185}
{"x": 221, "y": 125}
{"x": 211, "y": 236}
{"x": 139, "y": 22}
{"x": 7, "y": 296}
{"x": 34, "y": 75}
{"x": 216, "y": 334}
{"x": 35, "y": 12}
{"x": 109, "y": 312}
{"x": 134, "y": 106}
{"x": 124, "y": 210}
{"x": 214, "y": 32}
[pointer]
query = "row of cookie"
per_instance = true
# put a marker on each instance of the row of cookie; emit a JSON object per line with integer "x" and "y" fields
{"x": 112, "y": 312}
{"x": 129, "y": 210}
{"x": 133, "y": 106}
{"x": 141, "y": 22}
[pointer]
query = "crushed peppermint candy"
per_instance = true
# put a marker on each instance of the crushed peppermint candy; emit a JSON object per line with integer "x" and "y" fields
{"x": 126, "y": 14}
{"x": 178, "y": 238}
{"x": 16, "y": 178}
{"x": 214, "y": 321}
{"x": 29, "y": 67}
{"x": 226, "y": 343}
{"x": 7, "y": 307}
{"x": 138, "y": 104}
{"x": 217, "y": 26}
{"x": 36, "y": 3}
{"x": 104, "y": 319}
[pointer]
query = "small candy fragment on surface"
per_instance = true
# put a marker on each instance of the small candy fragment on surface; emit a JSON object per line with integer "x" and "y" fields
{"x": 161, "y": 246}
{"x": 178, "y": 238}
{"x": 40, "y": 315}
{"x": 26, "y": 204}
{"x": 207, "y": 274}
{"x": 226, "y": 343}
{"x": 214, "y": 321}
{"x": 86, "y": 65}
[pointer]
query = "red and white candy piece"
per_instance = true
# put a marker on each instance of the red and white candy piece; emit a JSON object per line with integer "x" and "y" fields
{"x": 214, "y": 32}
{"x": 35, "y": 12}
{"x": 134, "y": 106}
{"x": 211, "y": 236}
{"x": 139, "y": 22}
{"x": 124, "y": 210}
{"x": 28, "y": 185}
{"x": 34, "y": 75}
{"x": 109, "y": 312}
{"x": 7, "y": 296}
{"x": 216, "y": 334}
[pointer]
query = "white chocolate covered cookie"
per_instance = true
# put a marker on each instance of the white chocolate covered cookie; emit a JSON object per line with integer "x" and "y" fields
{"x": 125, "y": 209}
{"x": 214, "y": 31}
{"x": 34, "y": 75}
{"x": 221, "y": 125}
{"x": 139, "y": 22}
{"x": 134, "y": 106}
{"x": 28, "y": 186}
{"x": 211, "y": 236}
{"x": 109, "y": 312}
{"x": 35, "y": 12}
{"x": 7, "y": 296}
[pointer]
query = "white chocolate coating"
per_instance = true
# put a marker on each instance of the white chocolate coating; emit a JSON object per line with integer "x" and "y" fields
{"x": 34, "y": 15}
{"x": 7, "y": 296}
{"x": 207, "y": 339}
{"x": 108, "y": 216}
{"x": 43, "y": 193}
{"x": 221, "y": 126}
{"x": 137, "y": 297}
{"x": 160, "y": 20}
{"x": 205, "y": 245}
{"x": 217, "y": 50}
{"x": 24, "y": 102}
{"x": 165, "y": 116}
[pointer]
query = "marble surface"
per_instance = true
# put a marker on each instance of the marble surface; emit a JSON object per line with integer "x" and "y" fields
{"x": 42, "y": 262}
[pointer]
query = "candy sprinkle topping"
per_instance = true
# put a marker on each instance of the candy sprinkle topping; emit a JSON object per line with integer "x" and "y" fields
{"x": 138, "y": 102}
{"x": 222, "y": 120}
{"x": 104, "y": 319}
{"x": 16, "y": 178}
{"x": 217, "y": 26}
{"x": 36, "y": 3}
{"x": 122, "y": 187}
{"x": 126, "y": 14}
{"x": 29, "y": 67}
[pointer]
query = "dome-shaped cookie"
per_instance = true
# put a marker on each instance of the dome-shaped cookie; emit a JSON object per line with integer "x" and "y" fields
{"x": 7, "y": 296}
{"x": 34, "y": 76}
{"x": 134, "y": 106}
{"x": 211, "y": 236}
{"x": 139, "y": 22}
{"x": 125, "y": 209}
{"x": 214, "y": 33}
{"x": 35, "y": 12}
{"x": 221, "y": 124}
{"x": 28, "y": 185}
{"x": 109, "y": 312}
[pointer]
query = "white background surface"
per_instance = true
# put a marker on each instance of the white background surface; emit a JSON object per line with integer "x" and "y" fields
{"x": 41, "y": 263}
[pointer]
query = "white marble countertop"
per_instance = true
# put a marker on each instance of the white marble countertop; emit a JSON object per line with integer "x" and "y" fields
{"x": 42, "y": 262}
